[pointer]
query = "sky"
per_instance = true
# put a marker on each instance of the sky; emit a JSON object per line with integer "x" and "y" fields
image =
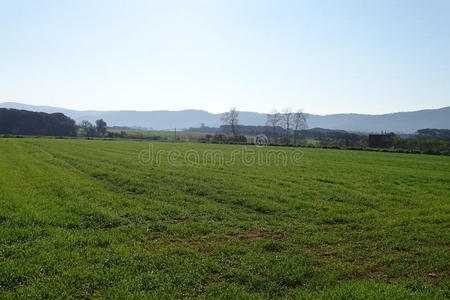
{"x": 321, "y": 56}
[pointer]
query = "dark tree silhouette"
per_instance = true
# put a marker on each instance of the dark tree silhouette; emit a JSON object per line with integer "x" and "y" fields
{"x": 273, "y": 120}
{"x": 13, "y": 121}
{"x": 231, "y": 118}
{"x": 287, "y": 119}
{"x": 88, "y": 128}
{"x": 300, "y": 123}
{"x": 100, "y": 127}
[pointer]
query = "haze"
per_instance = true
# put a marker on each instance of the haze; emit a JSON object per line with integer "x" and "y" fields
{"x": 322, "y": 56}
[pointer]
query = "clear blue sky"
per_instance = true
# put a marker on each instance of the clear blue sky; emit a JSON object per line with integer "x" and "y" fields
{"x": 365, "y": 56}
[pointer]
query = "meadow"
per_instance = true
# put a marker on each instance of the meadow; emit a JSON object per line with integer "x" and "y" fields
{"x": 85, "y": 219}
{"x": 184, "y": 136}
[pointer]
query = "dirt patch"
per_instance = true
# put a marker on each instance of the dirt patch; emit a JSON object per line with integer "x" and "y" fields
{"x": 204, "y": 246}
{"x": 324, "y": 253}
{"x": 255, "y": 234}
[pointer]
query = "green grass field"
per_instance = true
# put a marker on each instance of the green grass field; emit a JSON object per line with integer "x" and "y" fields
{"x": 87, "y": 219}
{"x": 185, "y": 136}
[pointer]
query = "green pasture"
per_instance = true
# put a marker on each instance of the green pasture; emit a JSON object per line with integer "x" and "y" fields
{"x": 127, "y": 219}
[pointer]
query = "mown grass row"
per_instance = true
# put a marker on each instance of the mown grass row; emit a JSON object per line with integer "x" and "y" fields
{"x": 86, "y": 219}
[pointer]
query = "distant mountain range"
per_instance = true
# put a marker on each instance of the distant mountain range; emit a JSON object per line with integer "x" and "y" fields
{"x": 401, "y": 122}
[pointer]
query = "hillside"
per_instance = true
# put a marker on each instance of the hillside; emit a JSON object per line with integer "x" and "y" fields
{"x": 405, "y": 122}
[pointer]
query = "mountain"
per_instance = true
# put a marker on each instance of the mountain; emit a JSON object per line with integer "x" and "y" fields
{"x": 401, "y": 122}
{"x": 404, "y": 122}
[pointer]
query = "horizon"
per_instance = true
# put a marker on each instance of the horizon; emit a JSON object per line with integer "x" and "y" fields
{"x": 204, "y": 110}
{"x": 322, "y": 57}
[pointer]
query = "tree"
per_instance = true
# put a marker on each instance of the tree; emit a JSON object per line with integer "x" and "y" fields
{"x": 435, "y": 134}
{"x": 231, "y": 119}
{"x": 100, "y": 127}
{"x": 88, "y": 127}
{"x": 287, "y": 118}
{"x": 273, "y": 120}
{"x": 13, "y": 121}
{"x": 300, "y": 123}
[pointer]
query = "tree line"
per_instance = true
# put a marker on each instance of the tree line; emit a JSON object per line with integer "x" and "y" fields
{"x": 433, "y": 134}
{"x": 91, "y": 130}
{"x": 292, "y": 124}
{"x": 283, "y": 126}
{"x": 14, "y": 121}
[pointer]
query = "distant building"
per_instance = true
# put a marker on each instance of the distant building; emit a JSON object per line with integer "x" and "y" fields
{"x": 379, "y": 141}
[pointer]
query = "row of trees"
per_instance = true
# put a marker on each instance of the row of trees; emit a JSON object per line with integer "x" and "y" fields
{"x": 420, "y": 144}
{"x": 14, "y": 121}
{"x": 99, "y": 129}
{"x": 286, "y": 125}
{"x": 291, "y": 122}
{"x": 433, "y": 134}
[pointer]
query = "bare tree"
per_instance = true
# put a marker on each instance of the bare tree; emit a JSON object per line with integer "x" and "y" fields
{"x": 273, "y": 120}
{"x": 287, "y": 118}
{"x": 231, "y": 118}
{"x": 300, "y": 123}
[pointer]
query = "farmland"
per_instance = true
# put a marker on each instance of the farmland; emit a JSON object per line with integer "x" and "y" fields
{"x": 162, "y": 135}
{"x": 128, "y": 219}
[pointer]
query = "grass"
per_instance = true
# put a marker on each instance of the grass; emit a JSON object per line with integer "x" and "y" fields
{"x": 86, "y": 219}
{"x": 185, "y": 136}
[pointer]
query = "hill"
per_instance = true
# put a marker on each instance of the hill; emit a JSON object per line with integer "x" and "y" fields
{"x": 405, "y": 122}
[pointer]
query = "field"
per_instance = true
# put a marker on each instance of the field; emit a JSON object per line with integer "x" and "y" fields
{"x": 132, "y": 219}
{"x": 185, "y": 136}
